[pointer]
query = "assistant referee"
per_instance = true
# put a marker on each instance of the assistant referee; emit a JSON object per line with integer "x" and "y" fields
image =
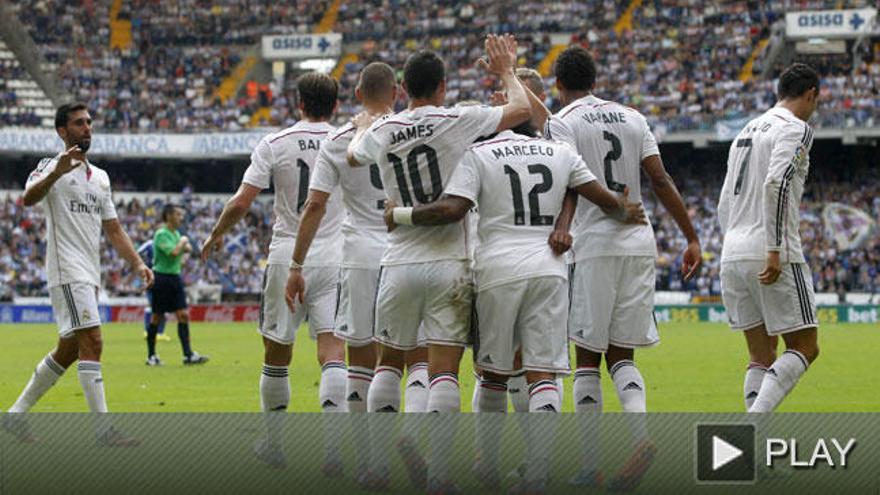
{"x": 169, "y": 248}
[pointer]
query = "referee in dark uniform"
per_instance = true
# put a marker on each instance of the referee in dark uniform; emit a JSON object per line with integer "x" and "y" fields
{"x": 168, "y": 294}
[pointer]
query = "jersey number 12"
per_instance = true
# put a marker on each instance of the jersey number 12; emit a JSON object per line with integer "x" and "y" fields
{"x": 519, "y": 216}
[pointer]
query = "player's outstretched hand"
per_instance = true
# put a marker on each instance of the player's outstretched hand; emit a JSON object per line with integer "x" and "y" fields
{"x": 146, "y": 275}
{"x": 634, "y": 213}
{"x": 560, "y": 241}
{"x": 296, "y": 288}
{"x": 212, "y": 244}
{"x": 770, "y": 274}
{"x": 498, "y": 53}
{"x": 66, "y": 161}
{"x": 389, "y": 215}
{"x": 692, "y": 259}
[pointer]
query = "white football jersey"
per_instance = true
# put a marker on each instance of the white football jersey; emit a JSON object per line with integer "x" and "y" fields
{"x": 417, "y": 150}
{"x": 74, "y": 207}
{"x": 613, "y": 139}
{"x": 759, "y": 209}
{"x": 365, "y": 235}
{"x": 287, "y": 158}
{"x": 518, "y": 183}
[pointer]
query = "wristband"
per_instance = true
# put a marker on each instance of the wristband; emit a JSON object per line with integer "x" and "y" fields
{"x": 295, "y": 266}
{"x": 402, "y": 215}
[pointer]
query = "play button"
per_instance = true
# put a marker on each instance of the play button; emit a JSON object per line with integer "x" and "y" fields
{"x": 725, "y": 453}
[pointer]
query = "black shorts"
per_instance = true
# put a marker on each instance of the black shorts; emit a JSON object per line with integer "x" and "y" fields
{"x": 168, "y": 294}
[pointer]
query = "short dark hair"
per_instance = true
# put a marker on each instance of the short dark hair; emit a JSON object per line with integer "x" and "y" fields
{"x": 377, "y": 79}
{"x": 797, "y": 80}
{"x": 318, "y": 93}
{"x": 62, "y": 115}
{"x": 423, "y": 73}
{"x": 168, "y": 209}
{"x": 575, "y": 69}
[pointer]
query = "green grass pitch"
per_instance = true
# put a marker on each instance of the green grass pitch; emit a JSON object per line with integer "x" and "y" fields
{"x": 698, "y": 367}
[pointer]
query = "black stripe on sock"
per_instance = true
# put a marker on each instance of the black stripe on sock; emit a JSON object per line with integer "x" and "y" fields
{"x": 590, "y": 372}
{"x": 621, "y": 364}
{"x": 541, "y": 383}
{"x": 799, "y": 356}
{"x": 332, "y": 364}
{"x": 50, "y": 363}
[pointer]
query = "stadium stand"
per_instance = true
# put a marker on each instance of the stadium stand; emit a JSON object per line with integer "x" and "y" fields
{"x": 680, "y": 63}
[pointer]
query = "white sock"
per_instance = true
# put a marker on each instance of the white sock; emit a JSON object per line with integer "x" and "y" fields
{"x": 416, "y": 394}
{"x": 383, "y": 397}
{"x": 331, "y": 395}
{"x": 444, "y": 394}
{"x": 752, "y": 384}
{"x": 331, "y": 392}
{"x": 47, "y": 372}
{"x": 588, "y": 399}
{"x": 274, "y": 388}
{"x": 782, "y": 376}
{"x": 274, "y": 399}
{"x": 543, "y": 396}
{"x": 384, "y": 393}
{"x": 358, "y": 387}
{"x": 475, "y": 397}
{"x": 487, "y": 441}
{"x": 92, "y": 383}
{"x": 631, "y": 392}
{"x": 560, "y": 389}
{"x": 518, "y": 390}
{"x": 630, "y": 386}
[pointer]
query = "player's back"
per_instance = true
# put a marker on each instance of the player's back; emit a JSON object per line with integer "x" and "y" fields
{"x": 417, "y": 151}
{"x": 776, "y": 135}
{"x": 522, "y": 182}
{"x": 363, "y": 198}
{"x": 613, "y": 140}
{"x": 287, "y": 158}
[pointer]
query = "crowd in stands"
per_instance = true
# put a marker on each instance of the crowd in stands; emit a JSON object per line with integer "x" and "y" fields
{"x": 680, "y": 63}
{"x": 239, "y": 269}
{"x": 11, "y": 112}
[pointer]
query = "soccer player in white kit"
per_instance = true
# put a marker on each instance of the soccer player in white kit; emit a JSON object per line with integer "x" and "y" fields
{"x": 425, "y": 277}
{"x": 286, "y": 159}
{"x": 519, "y": 181}
{"x": 765, "y": 282}
{"x": 613, "y": 276}
{"x": 77, "y": 201}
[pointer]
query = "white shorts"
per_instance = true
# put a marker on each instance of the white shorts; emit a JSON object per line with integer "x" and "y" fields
{"x": 788, "y": 305}
{"x": 612, "y": 303}
{"x": 357, "y": 305}
{"x": 75, "y": 306}
{"x": 527, "y": 314}
{"x": 277, "y": 323}
{"x": 438, "y": 295}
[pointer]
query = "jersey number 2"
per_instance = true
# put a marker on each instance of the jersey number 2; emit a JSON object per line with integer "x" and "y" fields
{"x": 610, "y": 157}
{"x": 519, "y": 216}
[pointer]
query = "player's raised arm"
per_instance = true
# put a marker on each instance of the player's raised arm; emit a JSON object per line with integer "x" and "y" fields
{"x": 560, "y": 239}
{"x": 501, "y": 52}
{"x": 235, "y": 209}
{"x": 670, "y": 198}
{"x": 41, "y": 180}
